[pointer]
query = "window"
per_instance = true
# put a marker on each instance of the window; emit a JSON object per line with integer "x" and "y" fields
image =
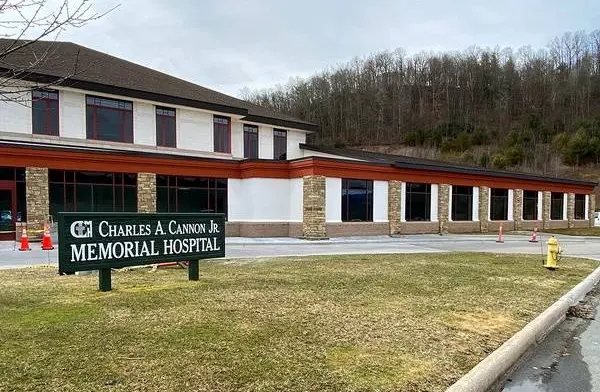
{"x": 357, "y": 200}
{"x": 462, "y": 203}
{"x": 418, "y": 202}
{"x": 92, "y": 191}
{"x": 498, "y": 204}
{"x": 44, "y": 107}
{"x": 530, "y": 205}
{"x": 279, "y": 144}
{"x": 222, "y": 134}
{"x": 250, "y": 141}
{"x": 109, "y": 120}
{"x": 165, "y": 127}
{"x": 580, "y": 207}
{"x": 191, "y": 194}
{"x": 556, "y": 206}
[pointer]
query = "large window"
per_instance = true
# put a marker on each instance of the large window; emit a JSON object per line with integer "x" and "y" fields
{"x": 357, "y": 200}
{"x": 530, "y": 205}
{"x": 462, "y": 203}
{"x": 498, "y": 204}
{"x": 44, "y": 106}
{"x": 92, "y": 191}
{"x": 557, "y": 201}
{"x": 418, "y": 202}
{"x": 165, "y": 127}
{"x": 109, "y": 120}
{"x": 191, "y": 194}
{"x": 279, "y": 144}
{"x": 250, "y": 141}
{"x": 222, "y": 134}
{"x": 580, "y": 207}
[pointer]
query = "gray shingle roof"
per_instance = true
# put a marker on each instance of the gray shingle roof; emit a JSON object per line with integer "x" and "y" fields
{"x": 93, "y": 70}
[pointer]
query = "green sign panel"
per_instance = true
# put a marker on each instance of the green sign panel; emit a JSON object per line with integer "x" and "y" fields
{"x": 100, "y": 241}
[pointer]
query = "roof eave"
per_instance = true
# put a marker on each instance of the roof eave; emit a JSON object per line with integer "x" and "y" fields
{"x": 308, "y": 127}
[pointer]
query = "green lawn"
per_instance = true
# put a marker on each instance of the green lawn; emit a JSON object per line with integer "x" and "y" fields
{"x": 585, "y": 231}
{"x": 344, "y": 323}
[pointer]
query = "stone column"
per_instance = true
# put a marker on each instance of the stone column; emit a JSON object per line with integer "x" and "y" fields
{"x": 395, "y": 206}
{"x": 571, "y": 209}
{"x": 313, "y": 211}
{"x": 484, "y": 208}
{"x": 443, "y": 206}
{"x": 37, "y": 199}
{"x": 146, "y": 192}
{"x": 518, "y": 209}
{"x": 592, "y": 208}
{"x": 546, "y": 197}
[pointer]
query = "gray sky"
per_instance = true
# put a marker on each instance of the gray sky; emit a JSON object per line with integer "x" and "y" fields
{"x": 229, "y": 44}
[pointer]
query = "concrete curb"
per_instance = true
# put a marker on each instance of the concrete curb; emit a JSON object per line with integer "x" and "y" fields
{"x": 492, "y": 368}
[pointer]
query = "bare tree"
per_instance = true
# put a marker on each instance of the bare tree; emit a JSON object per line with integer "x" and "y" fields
{"x": 23, "y": 23}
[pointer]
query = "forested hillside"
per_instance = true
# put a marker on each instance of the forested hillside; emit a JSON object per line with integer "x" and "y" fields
{"x": 528, "y": 108}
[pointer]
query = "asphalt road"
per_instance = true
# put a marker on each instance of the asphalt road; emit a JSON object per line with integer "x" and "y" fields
{"x": 430, "y": 243}
{"x": 548, "y": 370}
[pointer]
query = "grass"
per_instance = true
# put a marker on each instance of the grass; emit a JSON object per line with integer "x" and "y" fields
{"x": 584, "y": 231}
{"x": 344, "y": 323}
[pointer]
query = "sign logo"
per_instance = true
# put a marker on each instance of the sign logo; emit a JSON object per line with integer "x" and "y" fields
{"x": 81, "y": 229}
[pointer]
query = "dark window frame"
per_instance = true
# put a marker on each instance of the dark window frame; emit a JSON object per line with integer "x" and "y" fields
{"x": 166, "y": 126}
{"x": 172, "y": 185}
{"x": 557, "y": 203}
{"x": 579, "y": 202}
{"x": 70, "y": 179}
{"x": 530, "y": 198}
{"x": 250, "y": 141}
{"x": 460, "y": 193}
{"x": 279, "y": 144}
{"x": 349, "y": 188}
{"x": 48, "y": 102}
{"x": 499, "y": 196}
{"x": 412, "y": 193}
{"x": 95, "y": 104}
{"x": 222, "y": 142}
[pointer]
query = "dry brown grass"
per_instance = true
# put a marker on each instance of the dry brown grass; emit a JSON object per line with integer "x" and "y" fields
{"x": 343, "y": 323}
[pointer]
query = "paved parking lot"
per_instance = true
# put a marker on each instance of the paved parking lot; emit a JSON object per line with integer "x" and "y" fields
{"x": 429, "y": 243}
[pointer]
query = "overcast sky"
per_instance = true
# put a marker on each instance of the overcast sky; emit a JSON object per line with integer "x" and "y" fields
{"x": 230, "y": 44}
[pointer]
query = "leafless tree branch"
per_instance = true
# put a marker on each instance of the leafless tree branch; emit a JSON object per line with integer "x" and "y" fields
{"x": 26, "y": 22}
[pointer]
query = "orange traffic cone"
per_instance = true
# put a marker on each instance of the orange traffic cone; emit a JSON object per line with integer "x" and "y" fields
{"x": 24, "y": 240}
{"x": 46, "y": 240}
{"x": 500, "y": 239}
{"x": 534, "y": 235}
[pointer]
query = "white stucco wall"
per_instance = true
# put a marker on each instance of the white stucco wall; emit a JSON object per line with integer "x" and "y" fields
{"x": 403, "y": 202}
{"x": 72, "y": 114}
{"x": 333, "y": 199}
{"x": 264, "y": 200}
{"x": 15, "y": 117}
{"x": 296, "y": 199}
{"x": 265, "y": 142}
{"x": 195, "y": 130}
{"x": 475, "y": 203}
{"x": 144, "y": 123}
{"x": 587, "y": 206}
{"x": 434, "y": 202}
{"x": 294, "y": 138}
{"x": 511, "y": 214}
{"x": 380, "y": 201}
{"x": 237, "y": 139}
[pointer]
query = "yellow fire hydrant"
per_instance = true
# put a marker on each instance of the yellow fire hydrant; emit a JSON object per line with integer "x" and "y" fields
{"x": 554, "y": 252}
